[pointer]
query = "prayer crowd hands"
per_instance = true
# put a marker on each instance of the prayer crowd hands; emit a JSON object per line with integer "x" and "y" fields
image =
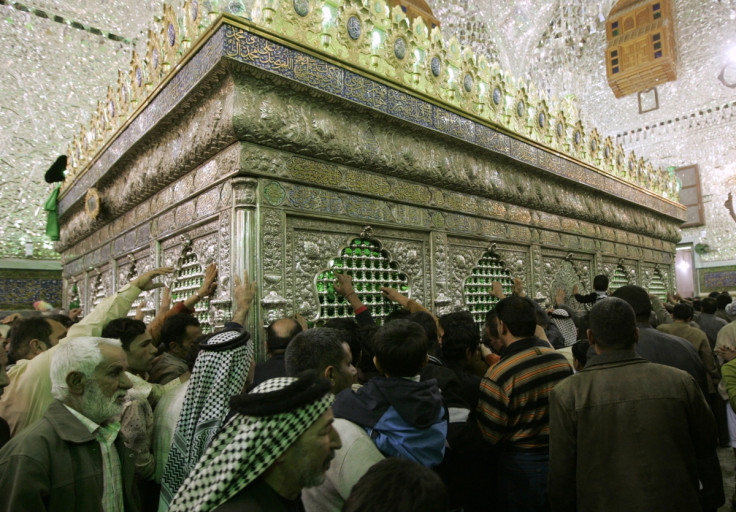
{"x": 244, "y": 292}
{"x": 139, "y": 315}
{"x": 559, "y": 296}
{"x": 729, "y": 202}
{"x": 497, "y": 290}
{"x": 393, "y": 295}
{"x": 518, "y": 287}
{"x": 10, "y": 318}
{"x": 209, "y": 285}
{"x": 145, "y": 282}
{"x": 165, "y": 299}
{"x": 726, "y": 352}
{"x": 343, "y": 284}
{"x": 75, "y": 314}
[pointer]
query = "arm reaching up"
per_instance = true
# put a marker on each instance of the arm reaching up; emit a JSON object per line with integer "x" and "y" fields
{"x": 243, "y": 294}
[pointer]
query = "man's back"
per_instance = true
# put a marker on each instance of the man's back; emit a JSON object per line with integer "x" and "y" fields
{"x": 512, "y": 408}
{"x": 699, "y": 341}
{"x": 627, "y": 434}
{"x": 662, "y": 348}
{"x": 711, "y": 325}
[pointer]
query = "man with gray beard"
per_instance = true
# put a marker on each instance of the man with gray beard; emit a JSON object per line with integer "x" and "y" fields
{"x": 72, "y": 459}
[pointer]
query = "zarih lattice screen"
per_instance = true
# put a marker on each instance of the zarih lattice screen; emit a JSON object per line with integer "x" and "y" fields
{"x": 371, "y": 268}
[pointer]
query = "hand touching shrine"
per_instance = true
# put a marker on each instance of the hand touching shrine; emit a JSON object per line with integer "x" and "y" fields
{"x": 145, "y": 282}
{"x": 243, "y": 294}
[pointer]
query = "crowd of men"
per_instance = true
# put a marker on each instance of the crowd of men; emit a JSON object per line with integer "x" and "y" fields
{"x": 617, "y": 403}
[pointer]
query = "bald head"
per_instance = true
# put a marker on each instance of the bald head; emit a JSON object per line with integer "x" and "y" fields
{"x": 280, "y": 333}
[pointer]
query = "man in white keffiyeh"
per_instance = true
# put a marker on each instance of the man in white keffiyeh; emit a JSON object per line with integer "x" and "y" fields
{"x": 279, "y": 441}
{"x": 223, "y": 369}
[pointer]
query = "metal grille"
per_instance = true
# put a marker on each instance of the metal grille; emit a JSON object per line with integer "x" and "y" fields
{"x": 657, "y": 285}
{"x": 188, "y": 279}
{"x": 620, "y": 278}
{"x": 148, "y": 312}
{"x": 477, "y": 287}
{"x": 371, "y": 268}
{"x": 99, "y": 291}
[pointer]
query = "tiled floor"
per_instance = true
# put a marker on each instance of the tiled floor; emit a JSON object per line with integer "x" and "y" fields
{"x": 728, "y": 461}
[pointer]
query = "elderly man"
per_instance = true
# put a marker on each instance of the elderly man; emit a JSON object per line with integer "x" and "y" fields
{"x": 280, "y": 441}
{"x": 29, "y": 394}
{"x": 278, "y": 336}
{"x": 72, "y": 458}
{"x": 627, "y": 434}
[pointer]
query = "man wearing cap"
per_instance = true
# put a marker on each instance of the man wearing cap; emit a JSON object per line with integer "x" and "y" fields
{"x": 279, "y": 441}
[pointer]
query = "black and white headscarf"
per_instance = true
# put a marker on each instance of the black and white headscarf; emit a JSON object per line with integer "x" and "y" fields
{"x": 219, "y": 373}
{"x": 270, "y": 419}
{"x": 566, "y": 325}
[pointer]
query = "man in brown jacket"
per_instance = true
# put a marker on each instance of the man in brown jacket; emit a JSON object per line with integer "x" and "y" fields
{"x": 627, "y": 434}
{"x": 682, "y": 315}
{"x": 72, "y": 458}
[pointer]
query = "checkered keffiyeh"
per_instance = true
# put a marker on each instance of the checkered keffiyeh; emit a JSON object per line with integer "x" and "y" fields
{"x": 566, "y": 325}
{"x": 269, "y": 420}
{"x": 731, "y": 309}
{"x": 219, "y": 373}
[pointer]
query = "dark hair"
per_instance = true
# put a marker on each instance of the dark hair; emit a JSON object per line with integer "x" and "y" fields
{"x": 723, "y": 300}
{"x": 697, "y": 304}
{"x": 191, "y": 357}
{"x": 125, "y": 330}
{"x": 583, "y": 324}
{"x": 709, "y": 305}
{"x": 541, "y": 315}
{"x": 396, "y": 314}
{"x": 638, "y": 299}
{"x": 314, "y": 349}
{"x": 26, "y": 330}
{"x": 351, "y": 334}
{"x": 429, "y": 325}
{"x": 600, "y": 283}
{"x": 461, "y": 334}
{"x": 490, "y": 322}
{"x": 175, "y": 328}
{"x": 276, "y": 342}
{"x": 519, "y": 314}
{"x": 682, "y": 312}
{"x": 580, "y": 351}
{"x": 400, "y": 348}
{"x": 366, "y": 365}
{"x": 714, "y": 294}
{"x": 398, "y": 485}
{"x": 62, "y": 319}
{"x": 613, "y": 323}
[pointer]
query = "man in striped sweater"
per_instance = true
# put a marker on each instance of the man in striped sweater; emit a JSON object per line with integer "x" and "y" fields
{"x": 513, "y": 411}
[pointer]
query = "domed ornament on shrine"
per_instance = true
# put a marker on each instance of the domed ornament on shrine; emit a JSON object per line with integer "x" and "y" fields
{"x": 417, "y": 9}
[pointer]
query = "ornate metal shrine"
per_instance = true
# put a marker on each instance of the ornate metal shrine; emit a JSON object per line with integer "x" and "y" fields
{"x": 259, "y": 151}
